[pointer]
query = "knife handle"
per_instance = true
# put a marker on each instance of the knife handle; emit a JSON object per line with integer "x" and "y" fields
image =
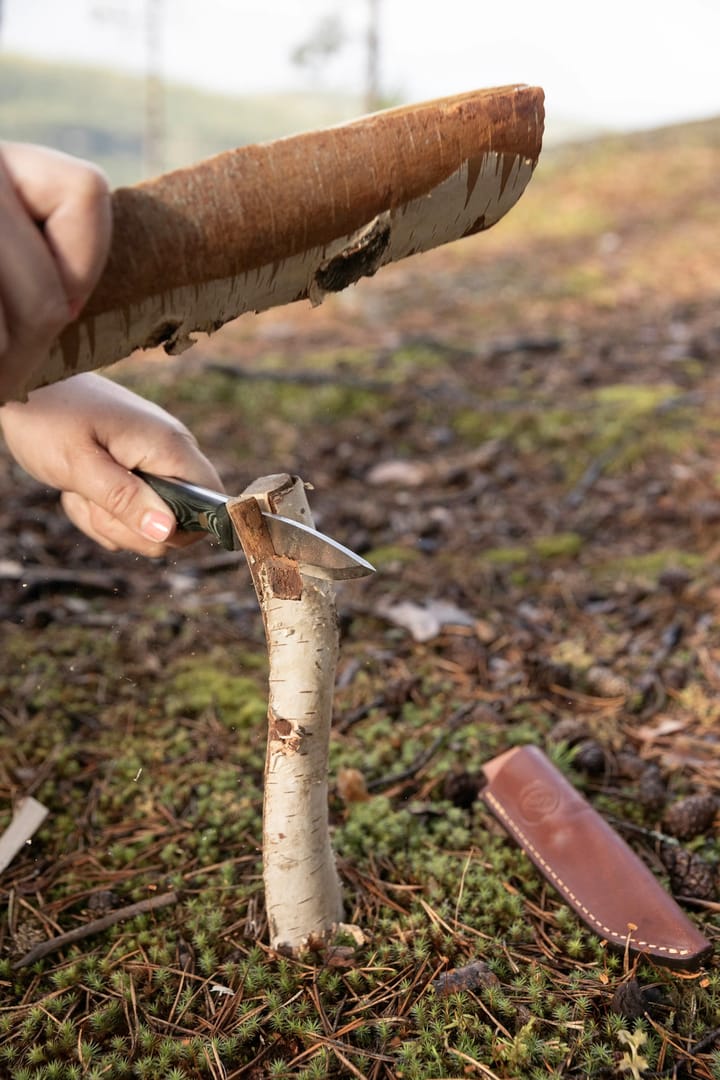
{"x": 196, "y": 509}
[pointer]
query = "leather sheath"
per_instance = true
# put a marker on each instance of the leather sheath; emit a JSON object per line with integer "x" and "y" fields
{"x": 588, "y": 863}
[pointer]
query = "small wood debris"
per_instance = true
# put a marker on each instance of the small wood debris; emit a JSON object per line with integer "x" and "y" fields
{"x": 27, "y": 819}
{"x": 351, "y": 786}
{"x": 472, "y": 976}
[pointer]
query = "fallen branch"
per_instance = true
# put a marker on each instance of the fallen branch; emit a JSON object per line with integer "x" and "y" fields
{"x": 45, "y": 948}
{"x": 456, "y": 721}
{"x": 336, "y": 378}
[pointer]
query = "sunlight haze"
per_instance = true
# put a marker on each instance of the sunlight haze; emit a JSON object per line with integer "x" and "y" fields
{"x": 613, "y": 65}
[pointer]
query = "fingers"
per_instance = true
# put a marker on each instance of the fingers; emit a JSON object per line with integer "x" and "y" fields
{"x": 117, "y": 508}
{"x": 113, "y": 534}
{"x": 120, "y": 510}
{"x": 32, "y": 295}
{"x": 55, "y": 223}
{"x": 70, "y": 198}
{"x": 84, "y": 436}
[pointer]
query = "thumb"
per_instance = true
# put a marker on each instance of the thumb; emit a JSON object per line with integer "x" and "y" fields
{"x": 127, "y": 499}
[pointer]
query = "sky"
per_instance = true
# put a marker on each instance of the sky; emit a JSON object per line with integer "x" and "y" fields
{"x": 618, "y": 64}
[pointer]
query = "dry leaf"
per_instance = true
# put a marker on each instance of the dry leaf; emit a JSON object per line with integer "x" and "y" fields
{"x": 402, "y": 473}
{"x": 424, "y": 621}
{"x": 351, "y": 786}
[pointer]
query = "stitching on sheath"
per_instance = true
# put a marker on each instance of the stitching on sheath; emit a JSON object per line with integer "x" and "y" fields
{"x": 560, "y": 884}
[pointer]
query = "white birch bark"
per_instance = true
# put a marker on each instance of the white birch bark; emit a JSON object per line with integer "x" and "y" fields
{"x": 302, "y": 888}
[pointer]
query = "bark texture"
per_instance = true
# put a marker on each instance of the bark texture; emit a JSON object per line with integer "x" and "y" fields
{"x": 297, "y": 218}
{"x": 302, "y": 888}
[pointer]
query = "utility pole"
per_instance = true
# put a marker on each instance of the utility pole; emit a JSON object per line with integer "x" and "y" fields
{"x": 154, "y": 133}
{"x": 372, "y": 71}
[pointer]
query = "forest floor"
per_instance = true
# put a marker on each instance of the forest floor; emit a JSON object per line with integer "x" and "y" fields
{"x": 521, "y": 432}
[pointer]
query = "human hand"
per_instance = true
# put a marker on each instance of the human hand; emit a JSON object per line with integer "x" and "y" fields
{"x": 55, "y": 223}
{"x": 83, "y": 436}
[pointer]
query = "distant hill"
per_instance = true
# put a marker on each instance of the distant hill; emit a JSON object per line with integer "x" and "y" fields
{"x": 99, "y": 114}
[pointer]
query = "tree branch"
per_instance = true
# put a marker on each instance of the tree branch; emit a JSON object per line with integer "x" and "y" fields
{"x": 45, "y": 948}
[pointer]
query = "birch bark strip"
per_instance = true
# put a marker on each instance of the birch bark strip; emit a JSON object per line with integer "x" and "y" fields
{"x": 266, "y": 225}
{"x": 302, "y": 889}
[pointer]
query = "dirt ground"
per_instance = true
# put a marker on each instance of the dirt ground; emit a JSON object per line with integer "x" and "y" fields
{"x": 521, "y": 433}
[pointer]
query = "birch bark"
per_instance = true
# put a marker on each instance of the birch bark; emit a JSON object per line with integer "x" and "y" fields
{"x": 302, "y": 888}
{"x": 297, "y": 218}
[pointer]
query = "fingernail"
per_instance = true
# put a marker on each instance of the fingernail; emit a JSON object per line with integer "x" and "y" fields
{"x": 156, "y": 526}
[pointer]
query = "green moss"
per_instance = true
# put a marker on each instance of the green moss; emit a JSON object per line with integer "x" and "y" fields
{"x": 383, "y": 557}
{"x": 507, "y": 556}
{"x": 200, "y": 683}
{"x": 294, "y": 402}
{"x": 633, "y": 399}
{"x": 650, "y": 565}
{"x": 564, "y": 544}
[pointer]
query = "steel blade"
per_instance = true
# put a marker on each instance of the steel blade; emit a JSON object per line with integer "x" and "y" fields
{"x": 318, "y": 555}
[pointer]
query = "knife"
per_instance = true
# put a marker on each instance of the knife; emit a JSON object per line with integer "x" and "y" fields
{"x": 199, "y": 509}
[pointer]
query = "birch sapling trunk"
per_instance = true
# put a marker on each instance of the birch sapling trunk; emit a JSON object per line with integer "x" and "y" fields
{"x": 302, "y": 888}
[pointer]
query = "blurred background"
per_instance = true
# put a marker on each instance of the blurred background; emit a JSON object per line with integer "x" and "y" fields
{"x": 145, "y": 85}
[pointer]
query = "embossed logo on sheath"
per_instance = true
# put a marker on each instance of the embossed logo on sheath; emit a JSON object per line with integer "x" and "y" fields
{"x": 538, "y": 801}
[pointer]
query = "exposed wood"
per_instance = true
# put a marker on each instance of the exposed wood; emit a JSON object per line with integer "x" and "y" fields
{"x": 27, "y": 819}
{"x": 302, "y": 889}
{"x": 266, "y": 225}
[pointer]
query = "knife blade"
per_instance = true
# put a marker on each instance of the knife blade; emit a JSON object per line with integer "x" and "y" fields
{"x": 200, "y": 509}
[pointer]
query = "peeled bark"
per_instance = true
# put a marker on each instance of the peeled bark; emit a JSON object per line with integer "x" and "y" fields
{"x": 300, "y": 217}
{"x": 302, "y": 889}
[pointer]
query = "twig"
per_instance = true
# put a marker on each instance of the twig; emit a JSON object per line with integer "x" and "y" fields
{"x": 455, "y": 721}
{"x": 597, "y": 467}
{"x": 358, "y": 714}
{"x": 651, "y": 834}
{"x": 591, "y": 475}
{"x": 705, "y": 1043}
{"x": 303, "y": 378}
{"x": 95, "y": 927}
{"x": 36, "y": 579}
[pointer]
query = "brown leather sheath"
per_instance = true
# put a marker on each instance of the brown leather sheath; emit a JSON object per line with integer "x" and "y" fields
{"x": 592, "y": 867}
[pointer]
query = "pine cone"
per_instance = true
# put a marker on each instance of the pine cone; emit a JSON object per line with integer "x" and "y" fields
{"x": 629, "y": 1000}
{"x": 691, "y": 816}
{"x": 652, "y": 793}
{"x": 629, "y": 765}
{"x": 633, "y": 1001}
{"x": 590, "y": 758}
{"x": 690, "y": 874}
{"x": 568, "y": 730}
{"x": 461, "y": 788}
{"x": 604, "y": 682}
